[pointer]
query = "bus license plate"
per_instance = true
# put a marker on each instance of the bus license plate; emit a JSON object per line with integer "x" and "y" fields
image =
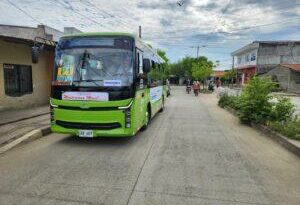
{"x": 85, "y": 133}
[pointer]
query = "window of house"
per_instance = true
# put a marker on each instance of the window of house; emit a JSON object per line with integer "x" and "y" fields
{"x": 253, "y": 57}
{"x": 17, "y": 79}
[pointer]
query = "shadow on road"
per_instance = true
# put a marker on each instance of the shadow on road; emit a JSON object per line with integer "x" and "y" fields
{"x": 101, "y": 141}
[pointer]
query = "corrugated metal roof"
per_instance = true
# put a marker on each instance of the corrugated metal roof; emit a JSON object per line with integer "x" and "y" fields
{"x": 295, "y": 67}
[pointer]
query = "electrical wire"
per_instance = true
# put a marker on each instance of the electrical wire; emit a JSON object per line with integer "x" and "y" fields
{"x": 80, "y": 14}
{"x": 126, "y": 24}
{"x": 23, "y": 11}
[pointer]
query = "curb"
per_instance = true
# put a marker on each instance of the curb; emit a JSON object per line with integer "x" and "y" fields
{"x": 287, "y": 143}
{"x": 282, "y": 140}
{"x": 28, "y": 137}
{"x": 24, "y": 118}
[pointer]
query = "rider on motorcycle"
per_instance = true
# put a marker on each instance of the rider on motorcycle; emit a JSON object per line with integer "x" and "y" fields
{"x": 188, "y": 86}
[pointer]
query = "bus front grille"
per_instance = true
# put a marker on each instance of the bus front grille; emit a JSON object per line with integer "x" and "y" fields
{"x": 88, "y": 126}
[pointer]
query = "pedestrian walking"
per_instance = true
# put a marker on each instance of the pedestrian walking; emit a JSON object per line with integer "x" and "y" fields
{"x": 196, "y": 87}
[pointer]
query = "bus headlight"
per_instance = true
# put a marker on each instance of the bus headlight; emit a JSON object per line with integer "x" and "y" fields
{"x": 51, "y": 113}
{"x": 127, "y": 118}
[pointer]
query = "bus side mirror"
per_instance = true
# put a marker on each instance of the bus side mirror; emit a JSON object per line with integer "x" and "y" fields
{"x": 146, "y": 65}
{"x": 35, "y": 52}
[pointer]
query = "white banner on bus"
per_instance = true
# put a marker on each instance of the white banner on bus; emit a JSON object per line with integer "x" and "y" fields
{"x": 155, "y": 94}
{"x": 85, "y": 96}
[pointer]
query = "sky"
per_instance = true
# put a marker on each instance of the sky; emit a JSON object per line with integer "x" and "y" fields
{"x": 218, "y": 26}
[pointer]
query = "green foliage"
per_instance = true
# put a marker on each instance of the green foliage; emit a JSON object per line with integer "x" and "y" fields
{"x": 289, "y": 128}
{"x": 254, "y": 103}
{"x": 283, "y": 110}
{"x": 223, "y": 79}
{"x": 202, "y": 69}
{"x": 184, "y": 66}
{"x": 155, "y": 74}
{"x": 165, "y": 72}
{"x": 227, "y": 101}
{"x": 230, "y": 74}
{"x": 163, "y": 55}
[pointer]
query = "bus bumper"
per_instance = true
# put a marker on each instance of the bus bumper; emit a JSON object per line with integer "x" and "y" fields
{"x": 106, "y": 123}
{"x": 128, "y": 132}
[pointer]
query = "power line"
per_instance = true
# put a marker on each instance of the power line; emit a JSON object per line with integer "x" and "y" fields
{"x": 23, "y": 11}
{"x": 269, "y": 24}
{"x": 80, "y": 14}
{"x": 111, "y": 15}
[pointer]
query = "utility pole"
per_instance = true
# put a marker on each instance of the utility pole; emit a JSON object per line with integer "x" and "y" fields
{"x": 140, "y": 31}
{"x": 198, "y": 47}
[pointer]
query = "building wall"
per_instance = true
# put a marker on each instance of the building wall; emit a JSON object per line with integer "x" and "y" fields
{"x": 17, "y": 53}
{"x": 270, "y": 55}
{"x": 282, "y": 75}
{"x": 244, "y": 59}
{"x": 295, "y": 83}
{"x": 286, "y": 78}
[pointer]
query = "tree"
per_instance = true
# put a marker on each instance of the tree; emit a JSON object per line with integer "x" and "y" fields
{"x": 165, "y": 65}
{"x": 202, "y": 69}
{"x": 163, "y": 55}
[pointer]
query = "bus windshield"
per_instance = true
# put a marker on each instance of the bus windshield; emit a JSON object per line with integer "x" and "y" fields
{"x": 89, "y": 64}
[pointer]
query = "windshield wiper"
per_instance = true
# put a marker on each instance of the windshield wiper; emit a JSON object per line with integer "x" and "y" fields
{"x": 88, "y": 80}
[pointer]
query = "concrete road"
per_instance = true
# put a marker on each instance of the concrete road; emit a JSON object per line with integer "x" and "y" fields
{"x": 193, "y": 153}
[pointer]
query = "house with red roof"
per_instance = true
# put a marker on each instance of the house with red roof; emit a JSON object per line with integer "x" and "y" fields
{"x": 261, "y": 57}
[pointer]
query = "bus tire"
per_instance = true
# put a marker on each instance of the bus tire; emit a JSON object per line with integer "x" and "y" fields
{"x": 163, "y": 104}
{"x": 148, "y": 118}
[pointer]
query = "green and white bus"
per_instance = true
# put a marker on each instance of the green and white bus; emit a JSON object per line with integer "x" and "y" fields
{"x": 105, "y": 85}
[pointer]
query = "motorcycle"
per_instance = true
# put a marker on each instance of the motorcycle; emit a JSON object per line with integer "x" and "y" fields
{"x": 211, "y": 87}
{"x": 188, "y": 89}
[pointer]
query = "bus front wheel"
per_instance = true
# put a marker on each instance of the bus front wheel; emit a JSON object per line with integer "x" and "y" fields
{"x": 148, "y": 118}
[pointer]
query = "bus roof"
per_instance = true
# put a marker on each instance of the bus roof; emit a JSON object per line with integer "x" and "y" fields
{"x": 100, "y": 34}
{"x": 146, "y": 46}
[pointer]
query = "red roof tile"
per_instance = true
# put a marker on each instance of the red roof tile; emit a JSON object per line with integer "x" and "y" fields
{"x": 295, "y": 67}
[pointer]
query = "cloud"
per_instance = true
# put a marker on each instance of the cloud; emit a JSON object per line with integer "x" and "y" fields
{"x": 222, "y": 25}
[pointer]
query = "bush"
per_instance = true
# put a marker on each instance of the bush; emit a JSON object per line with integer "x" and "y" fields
{"x": 289, "y": 128}
{"x": 283, "y": 110}
{"x": 254, "y": 102}
{"x": 226, "y": 100}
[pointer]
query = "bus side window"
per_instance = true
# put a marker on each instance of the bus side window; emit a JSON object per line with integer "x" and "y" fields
{"x": 140, "y": 61}
{"x": 153, "y": 76}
